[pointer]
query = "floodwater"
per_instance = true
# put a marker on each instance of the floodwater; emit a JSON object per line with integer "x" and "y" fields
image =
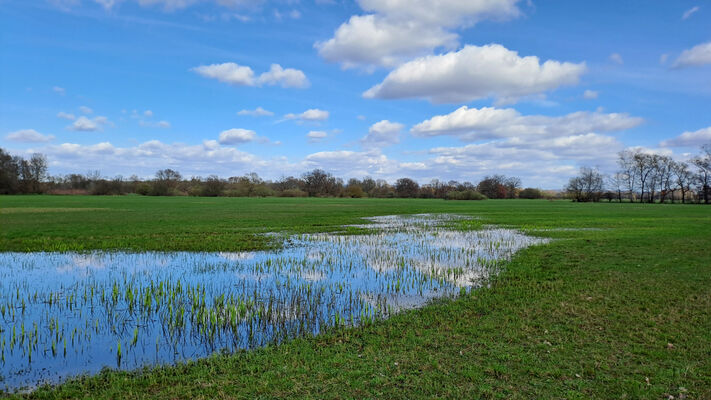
{"x": 65, "y": 314}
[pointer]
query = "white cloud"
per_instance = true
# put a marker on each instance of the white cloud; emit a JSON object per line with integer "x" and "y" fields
{"x": 690, "y": 139}
{"x": 688, "y": 13}
{"x": 148, "y": 113}
{"x": 474, "y": 124}
{"x": 475, "y": 72}
{"x": 85, "y": 110}
{"x": 85, "y": 124}
{"x": 398, "y": 30}
{"x": 68, "y": 116}
{"x": 28, "y": 136}
{"x": 695, "y": 56}
{"x": 286, "y": 78}
{"x": 257, "y": 112}
{"x": 146, "y": 158}
{"x": 663, "y": 58}
{"x": 316, "y": 136}
{"x": 59, "y": 90}
{"x": 352, "y": 163}
{"x": 231, "y": 73}
{"x": 371, "y": 41}
{"x": 383, "y": 133}
{"x": 311, "y": 115}
{"x": 590, "y": 94}
{"x": 616, "y": 58}
{"x": 236, "y": 136}
{"x": 239, "y": 75}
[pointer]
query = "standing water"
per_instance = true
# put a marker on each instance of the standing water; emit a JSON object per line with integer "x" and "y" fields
{"x": 64, "y": 314}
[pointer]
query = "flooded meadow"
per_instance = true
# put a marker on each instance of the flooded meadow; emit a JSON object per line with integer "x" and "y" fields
{"x": 65, "y": 314}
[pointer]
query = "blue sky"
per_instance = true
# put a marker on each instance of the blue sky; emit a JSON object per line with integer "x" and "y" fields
{"x": 446, "y": 89}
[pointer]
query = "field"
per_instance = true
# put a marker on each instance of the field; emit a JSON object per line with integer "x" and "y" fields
{"x": 622, "y": 310}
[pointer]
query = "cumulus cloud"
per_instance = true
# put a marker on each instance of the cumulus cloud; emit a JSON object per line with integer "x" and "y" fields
{"x": 316, "y": 136}
{"x": 236, "y": 136}
{"x": 353, "y": 163}
{"x": 690, "y": 139}
{"x": 311, "y": 115}
{"x": 85, "y": 110}
{"x": 473, "y": 124}
{"x": 397, "y": 30}
{"x": 85, "y": 124}
{"x": 144, "y": 159}
{"x": 28, "y": 136}
{"x": 688, "y": 13}
{"x": 383, "y": 133}
{"x": 370, "y": 41}
{"x": 239, "y": 75}
{"x": 59, "y": 90}
{"x": 257, "y": 112}
{"x": 475, "y": 72}
{"x": 695, "y": 56}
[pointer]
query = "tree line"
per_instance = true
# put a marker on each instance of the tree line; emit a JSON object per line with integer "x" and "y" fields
{"x": 647, "y": 178}
{"x": 20, "y": 176}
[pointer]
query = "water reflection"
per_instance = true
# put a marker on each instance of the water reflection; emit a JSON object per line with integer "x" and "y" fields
{"x": 65, "y": 314}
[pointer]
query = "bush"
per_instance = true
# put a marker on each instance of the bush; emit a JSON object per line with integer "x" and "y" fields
{"x": 293, "y": 193}
{"x": 195, "y": 191}
{"x": 143, "y": 188}
{"x": 465, "y": 195}
{"x": 530, "y": 193}
{"x": 262, "y": 191}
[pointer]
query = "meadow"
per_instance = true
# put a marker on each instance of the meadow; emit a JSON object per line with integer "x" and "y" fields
{"x": 617, "y": 305}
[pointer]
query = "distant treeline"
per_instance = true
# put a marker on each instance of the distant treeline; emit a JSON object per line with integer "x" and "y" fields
{"x": 18, "y": 176}
{"x": 647, "y": 177}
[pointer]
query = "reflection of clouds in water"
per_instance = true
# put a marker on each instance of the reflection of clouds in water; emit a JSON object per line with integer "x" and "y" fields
{"x": 237, "y": 256}
{"x": 315, "y": 255}
{"x": 312, "y": 275}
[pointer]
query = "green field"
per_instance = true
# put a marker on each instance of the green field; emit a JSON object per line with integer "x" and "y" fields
{"x": 620, "y": 311}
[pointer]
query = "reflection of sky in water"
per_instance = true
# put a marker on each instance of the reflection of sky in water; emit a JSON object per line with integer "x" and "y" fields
{"x": 229, "y": 300}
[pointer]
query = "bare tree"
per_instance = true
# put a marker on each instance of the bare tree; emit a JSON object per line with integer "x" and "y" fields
{"x": 682, "y": 179}
{"x": 587, "y": 186}
{"x": 703, "y": 176}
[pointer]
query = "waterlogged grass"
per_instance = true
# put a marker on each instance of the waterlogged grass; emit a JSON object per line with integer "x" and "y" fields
{"x": 67, "y": 314}
{"x": 621, "y": 311}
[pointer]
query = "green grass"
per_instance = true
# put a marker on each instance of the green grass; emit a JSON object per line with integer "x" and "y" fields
{"x": 619, "y": 312}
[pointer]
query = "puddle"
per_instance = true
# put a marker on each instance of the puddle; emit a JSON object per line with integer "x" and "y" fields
{"x": 65, "y": 314}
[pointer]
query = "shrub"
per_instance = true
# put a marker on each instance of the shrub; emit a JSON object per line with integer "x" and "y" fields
{"x": 530, "y": 193}
{"x": 465, "y": 195}
{"x": 143, "y": 188}
{"x": 293, "y": 193}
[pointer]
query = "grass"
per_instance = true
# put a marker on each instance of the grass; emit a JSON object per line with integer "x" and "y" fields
{"x": 619, "y": 312}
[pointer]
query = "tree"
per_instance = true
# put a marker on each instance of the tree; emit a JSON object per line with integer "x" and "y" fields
{"x": 406, "y": 187}
{"x": 530, "y": 193}
{"x": 321, "y": 183}
{"x": 682, "y": 179}
{"x": 213, "y": 187}
{"x": 9, "y": 173}
{"x": 628, "y": 174}
{"x": 703, "y": 176}
{"x": 493, "y": 187}
{"x": 165, "y": 183}
{"x": 587, "y": 186}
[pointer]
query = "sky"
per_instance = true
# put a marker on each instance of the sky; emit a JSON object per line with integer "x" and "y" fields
{"x": 439, "y": 89}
